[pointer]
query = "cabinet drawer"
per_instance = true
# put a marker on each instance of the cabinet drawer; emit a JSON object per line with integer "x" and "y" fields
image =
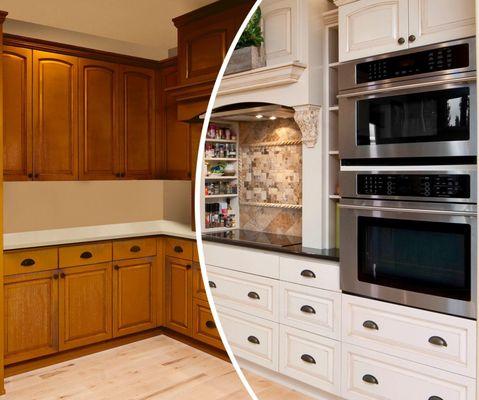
{"x": 134, "y": 248}
{"x": 311, "y": 309}
{"x": 25, "y": 261}
{"x": 312, "y": 359}
{"x": 241, "y": 259}
{"x": 244, "y": 292}
{"x": 84, "y": 254}
{"x": 407, "y": 333}
{"x": 179, "y": 248}
{"x": 251, "y": 338}
{"x": 319, "y": 274}
{"x": 367, "y": 375}
{"x": 204, "y": 326}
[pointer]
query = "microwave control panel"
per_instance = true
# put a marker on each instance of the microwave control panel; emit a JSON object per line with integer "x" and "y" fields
{"x": 434, "y": 60}
{"x": 445, "y": 186}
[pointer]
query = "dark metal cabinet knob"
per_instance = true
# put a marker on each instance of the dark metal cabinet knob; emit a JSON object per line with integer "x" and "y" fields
{"x": 309, "y": 359}
{"x": 437, "y": 341}
{"x": 118, "y": 175}
{"x": 210, "y": 324}
{"x": 30, "y": 175}
{"x": 123, "y": 174}
{"x": 412, "y": 38}
{"x": 178, "y": 249}
{"x": 62, "y": 275}
{"x": 55, "y": 276}
{"x": 86, "y": 255}
{"x": 308, "y": 310}
{"x": 28, "y": 262}
{"x": 188, "y": 266}
{"x": 117, "y": 267}
{"x": 36, "y": 176}
{"x": 370, "y": 379}
{"x": 401, "y": 40}
{"x": 371, "y": 325}
{"x": 308, "y": 273}
{"x": 212, "y": 284}
{"x": 435, "y": 398}
{"x": 253, "y": 295}
{"x": 253, "y": 339}
{"x": 135, "y": 249}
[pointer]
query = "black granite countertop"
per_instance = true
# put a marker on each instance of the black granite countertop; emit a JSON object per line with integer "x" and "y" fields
{"x": 272, "y": 242}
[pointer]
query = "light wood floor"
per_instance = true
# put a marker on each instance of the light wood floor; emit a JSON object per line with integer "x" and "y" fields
{"x": 156, "y": 368}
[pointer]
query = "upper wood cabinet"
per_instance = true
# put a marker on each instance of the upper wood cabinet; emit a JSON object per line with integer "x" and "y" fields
{"x": 17, "y": 95}
{"x": 137, "y": 121}
{"x": 55, "y": 116}
{"x": 99, "y": 130}
{"x": 371, "y": 27}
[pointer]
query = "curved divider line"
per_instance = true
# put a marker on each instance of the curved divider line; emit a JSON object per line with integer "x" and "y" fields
{"x": 198, "y": 213}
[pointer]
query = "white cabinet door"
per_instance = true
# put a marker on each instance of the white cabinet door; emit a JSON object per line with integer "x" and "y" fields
{"x": 435, "y": 21}
{"x": 370, "y": 27}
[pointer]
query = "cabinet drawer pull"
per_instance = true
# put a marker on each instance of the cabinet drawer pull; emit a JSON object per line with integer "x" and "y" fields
{"x": 178, "y": 249}
{"x": 62, "y": 275}
{"x": 118, "y": 174}
{"x": 370, "y": 379}
{"x": 188, "y": 266}
{"x": 55, "y": 276}
{"x": 435, "y": 398}
{"x": 412, "y": 38}
{"x": 401, "y": 40}
{"x": 135, "y": 249}
{"x": 210, "y": 324}
{"x": 253, "y": 295}
{"x": 307, "y": 273}
{"x": 307, "y": 358}
{"x": 437, "y": 341}
{"x": 308, "y": 310}
{"x": 117, "y": 267}
{"x": 253, "y": 339}
{"x": 371, "y": 325}
{"x": 28, "y": 262}
{"x": 86, "y": 255}
{"x": 212, "y": 284}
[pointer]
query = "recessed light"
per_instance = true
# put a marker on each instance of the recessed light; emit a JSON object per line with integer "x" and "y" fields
{"x": 259, "y": 116}
{"x": 272, "y": 118}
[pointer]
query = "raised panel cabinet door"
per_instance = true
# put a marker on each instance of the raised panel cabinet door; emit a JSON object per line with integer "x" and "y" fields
{"x": 436, "y": 21}
{"x": 98, "y": 121}
{"x": 85, "y": 305}
{"x": 178, "y": 287}
{"x": 55, "y": 115}
{"x": 204, "y": 326}
{"x": 371, "y": 27}
{"x": 137, "y": 122}
{"x": 199, "y": 291}
{"x": 17, "y": 113}
{"x": 134, "y": 295}
{"x": 31, "y": 316}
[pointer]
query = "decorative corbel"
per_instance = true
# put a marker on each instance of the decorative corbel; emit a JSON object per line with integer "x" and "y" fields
{"x": 308, "y": 118}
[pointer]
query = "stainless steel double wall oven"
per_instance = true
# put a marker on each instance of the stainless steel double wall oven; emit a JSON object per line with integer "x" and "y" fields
{"x": 408, "y": 147}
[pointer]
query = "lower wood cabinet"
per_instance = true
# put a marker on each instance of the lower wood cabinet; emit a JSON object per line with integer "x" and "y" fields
{"x": 85, "y": 305}
{"x": 204, "y": 326}
{"x": 31, "y": 316}
{"x": 134, "y": 295}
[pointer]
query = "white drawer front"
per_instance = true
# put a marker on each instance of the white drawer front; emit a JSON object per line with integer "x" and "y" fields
{"x": 310, "y": 309}
{"x": 242, "y": 259}
{"x": 397, "y": 379}
{"x": 251, "y": 338}
{"x": 319, "y": 274}
{"x": 245, "y": 292}
{"x": 312, "y": 359}
{"x": 405, "y": 332}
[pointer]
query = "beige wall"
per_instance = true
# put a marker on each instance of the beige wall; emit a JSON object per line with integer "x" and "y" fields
{"x": 177, "y": 201}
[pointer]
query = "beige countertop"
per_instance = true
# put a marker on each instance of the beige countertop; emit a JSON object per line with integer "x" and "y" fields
{"x": 52, "y": 237}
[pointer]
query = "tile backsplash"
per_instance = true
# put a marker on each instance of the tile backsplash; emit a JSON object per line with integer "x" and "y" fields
{"x": 270, "y": 174}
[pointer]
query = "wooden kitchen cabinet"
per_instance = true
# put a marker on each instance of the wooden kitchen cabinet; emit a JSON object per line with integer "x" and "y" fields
{"x": 178, "y": 287}
{"x": 18, "y": 128}
{"x": 134, "y": 295}
{"x": 204, "y": 326}
{"x": 31, "y": 316}
{"x": 137, "y": 122}
{"x": 99, "y": 137}
{"x": 199, "y": 291}
{"x": 85, "y": 304}
{"x": 55, "y": 116}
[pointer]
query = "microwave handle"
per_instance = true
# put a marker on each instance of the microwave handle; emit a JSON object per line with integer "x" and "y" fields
{"x": 406, "y": 87}
{"x": 408, "y": 210}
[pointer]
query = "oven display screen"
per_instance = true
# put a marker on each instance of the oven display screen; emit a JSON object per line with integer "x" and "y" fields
{"x": 439, "y": 59}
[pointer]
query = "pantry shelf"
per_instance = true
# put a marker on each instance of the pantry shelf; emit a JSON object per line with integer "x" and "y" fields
{"x": 219, "y": 196}
{"x": 220, "y": 141}
{"x": 221, "y": 159}
{"x": 222, "y": 178}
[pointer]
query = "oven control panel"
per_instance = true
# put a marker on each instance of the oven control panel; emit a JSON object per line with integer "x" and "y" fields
{"x": 434, "y": 60}
{"x": 399, "y": 185}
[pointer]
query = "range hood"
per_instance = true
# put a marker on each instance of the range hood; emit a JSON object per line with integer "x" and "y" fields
{"x": 249, "y": 112}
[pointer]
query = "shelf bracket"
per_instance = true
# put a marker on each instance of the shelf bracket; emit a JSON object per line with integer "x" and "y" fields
{"x": 308, "y": 118}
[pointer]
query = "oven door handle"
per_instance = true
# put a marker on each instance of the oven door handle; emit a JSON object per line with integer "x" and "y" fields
{"x": 389, "y": 89}
{"x": 409, "y": 210}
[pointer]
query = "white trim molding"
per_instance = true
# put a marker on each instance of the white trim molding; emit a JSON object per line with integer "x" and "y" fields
{"x": 308, "y": 118}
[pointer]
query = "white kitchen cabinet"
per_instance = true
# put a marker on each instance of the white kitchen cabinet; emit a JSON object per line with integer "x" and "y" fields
{"x": 372, "y": 27}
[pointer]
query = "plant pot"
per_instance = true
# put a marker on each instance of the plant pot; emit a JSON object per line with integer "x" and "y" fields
{"x": 245, "y": 59}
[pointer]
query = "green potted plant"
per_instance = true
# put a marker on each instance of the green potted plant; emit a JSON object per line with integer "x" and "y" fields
{"x": 249, "y": 52}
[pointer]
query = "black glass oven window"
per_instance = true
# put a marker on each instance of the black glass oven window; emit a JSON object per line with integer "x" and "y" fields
{"x": 434, "y": 116}
{"x": 424, "y": 257}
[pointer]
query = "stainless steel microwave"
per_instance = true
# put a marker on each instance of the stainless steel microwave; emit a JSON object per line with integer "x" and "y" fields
{"x": 419, "y": 103}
